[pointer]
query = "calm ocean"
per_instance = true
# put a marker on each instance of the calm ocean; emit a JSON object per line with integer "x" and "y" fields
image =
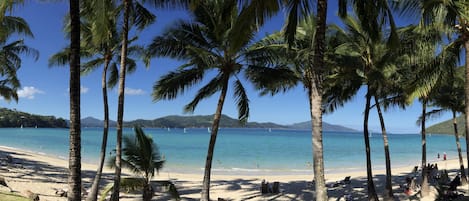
{"x": 251, "y": 151}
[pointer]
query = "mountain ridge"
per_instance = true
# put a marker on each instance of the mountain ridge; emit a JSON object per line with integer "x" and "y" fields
{"x": 201, "y": 121}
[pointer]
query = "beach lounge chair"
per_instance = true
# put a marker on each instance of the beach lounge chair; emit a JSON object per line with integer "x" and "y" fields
{"x": 346, "y": 180}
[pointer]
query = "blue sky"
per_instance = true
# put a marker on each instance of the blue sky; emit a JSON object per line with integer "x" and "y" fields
{"x": 45, "y": 90}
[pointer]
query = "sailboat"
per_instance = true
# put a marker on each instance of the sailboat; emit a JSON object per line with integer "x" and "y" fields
{"x": 185, "y": 131}
{"x": 208, "y": 130}
{"x": 270, "y": 130}
{"x": 169, "y": 129}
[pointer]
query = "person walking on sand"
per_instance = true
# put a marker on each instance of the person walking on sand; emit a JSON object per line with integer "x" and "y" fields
{"x": 438, "y": 156}
{"x": 444, "y": 156}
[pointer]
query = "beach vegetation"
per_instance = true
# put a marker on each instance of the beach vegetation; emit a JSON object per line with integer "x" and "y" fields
{"x": 142, "y": 157}
{"x": 4, "y": 196}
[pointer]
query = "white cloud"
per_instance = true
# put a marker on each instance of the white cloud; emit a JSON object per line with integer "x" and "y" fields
{"x": 134, "y": 92}
{"x": 84, "y": 90}
{"x": 28, "y": 92}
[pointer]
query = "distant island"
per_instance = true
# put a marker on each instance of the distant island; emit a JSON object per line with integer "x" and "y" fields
{"x": 204, "y": 121}
{"x": 16, "y": 119}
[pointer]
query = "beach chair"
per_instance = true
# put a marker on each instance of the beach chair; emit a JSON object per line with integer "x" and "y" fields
{"x": 346, "y": 180}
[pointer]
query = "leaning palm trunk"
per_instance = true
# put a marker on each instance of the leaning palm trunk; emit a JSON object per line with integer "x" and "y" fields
{"x": 388, "y": 194}
{"x": 74, "y": 176}
{"x": 315, "y": 95}
{"x": 120, "y": 104}
{"x": 211, "y": 146}
{"x": 458, "y": 145}
{"x": 93, "y": 196}
{"x": 369, "y": 172}
{"x": 425, "y": 188}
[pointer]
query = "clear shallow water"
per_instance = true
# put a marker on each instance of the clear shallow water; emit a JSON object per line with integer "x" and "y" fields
{"x": 243, "y": 150}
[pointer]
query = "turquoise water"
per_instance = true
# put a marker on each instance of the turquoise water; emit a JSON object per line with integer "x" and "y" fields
{"x": 243, "y": 150}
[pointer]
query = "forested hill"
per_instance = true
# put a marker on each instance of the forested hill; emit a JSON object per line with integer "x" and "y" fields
{"x": 446, "y": 127}
{"x": 202, "y": 121}
{"x": 198, "y": 121}
{"x": 15, "y": 119}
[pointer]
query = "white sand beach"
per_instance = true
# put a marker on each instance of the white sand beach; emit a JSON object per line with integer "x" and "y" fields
{"x": 43, "y": 174}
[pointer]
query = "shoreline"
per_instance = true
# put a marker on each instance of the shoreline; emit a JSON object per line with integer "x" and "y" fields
{"x": 238, "y": 186}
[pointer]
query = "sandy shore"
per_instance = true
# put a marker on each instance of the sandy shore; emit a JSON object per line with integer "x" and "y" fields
{"x": 43, "y": 174}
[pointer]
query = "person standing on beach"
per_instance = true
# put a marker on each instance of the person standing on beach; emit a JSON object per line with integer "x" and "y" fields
{"x": 438, "y": 156}
{"x": 444, "y": 156}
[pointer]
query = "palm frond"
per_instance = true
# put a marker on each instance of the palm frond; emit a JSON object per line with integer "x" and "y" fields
{"x": 113, "y": 77}
{"x": 242, "y": 101}
{"x": 208, "y": 90}
{"x": 176, "y": 82}
{"x": 143, "y": 17}
{"x": 272, "y": 80}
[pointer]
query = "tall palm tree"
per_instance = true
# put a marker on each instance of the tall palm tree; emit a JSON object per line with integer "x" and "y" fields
{"x": 453, "y": 14}
{"x": 98, "y": 50}
{"x": 296, "y": 11}
{"x": 449, "y": 95}
{"x": 420, "y": 48}
{"x": 74, "y": 177}
{"x": 375, "y": 64}
{"x": 217, "y": 41}
{"x": 134, "y": 13}
{"x": 142, "y": 157}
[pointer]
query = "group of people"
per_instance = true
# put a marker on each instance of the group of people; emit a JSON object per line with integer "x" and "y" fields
{"x": 444, "y": 156}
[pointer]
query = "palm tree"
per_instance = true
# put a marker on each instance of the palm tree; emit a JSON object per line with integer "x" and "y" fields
{"x": 216, "y": 41}
{"x": 134, "y": 14}
{"x": 375, "y": 64}
{"x": 420, "y": 48}
{"x": 449, "y": 95}
{"x": 12, "y": 49}
{"x": 74, "y": 177}
{"x": 453, "y": 14}
{"x": 142, "y": 157}
{"x": 100, "y": 50}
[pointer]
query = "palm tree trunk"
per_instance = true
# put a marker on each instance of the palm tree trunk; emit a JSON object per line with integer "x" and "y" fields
{"x": 74, "y": 176}
{"x": 211, "y": 146}
{"x": 466, "y": 92}
{"x": 93, "y": 196}
{"x": 120, "y": 104}
{"x": 315, "y": 95}
{"x": 388, "y": 194}
{"x": 315, "y": 100}
{"x": 425, "y": 188}
{"x": 147, "y": 192}
{"x": 369, "y": 172}
{"x": 458, "y": 145}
